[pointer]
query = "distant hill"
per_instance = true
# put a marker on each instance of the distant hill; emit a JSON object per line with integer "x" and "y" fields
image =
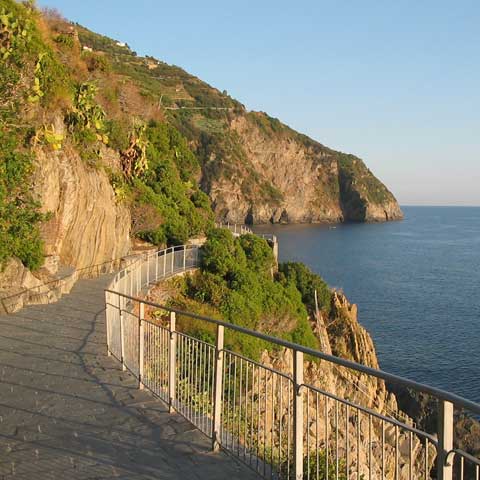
{"x": 92, "y": 134}
{"x": 254, "y": 167}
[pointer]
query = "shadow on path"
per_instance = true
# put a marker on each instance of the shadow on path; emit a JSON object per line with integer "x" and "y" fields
{"x": 67, "y": 411}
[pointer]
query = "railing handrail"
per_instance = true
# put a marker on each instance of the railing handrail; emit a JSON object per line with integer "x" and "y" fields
{"x": 389, "y": 377}
{"x": 36, "y": 289}
{"x": 235, "y": 228}
{"x": 74, "y": 272}
{"x": 128, "y": 288}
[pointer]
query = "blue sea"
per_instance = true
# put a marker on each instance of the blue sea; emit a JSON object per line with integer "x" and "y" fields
{"x": 416, "y": 284}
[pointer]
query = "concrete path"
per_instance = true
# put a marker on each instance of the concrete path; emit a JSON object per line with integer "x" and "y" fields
{"x": 67, "y": 411}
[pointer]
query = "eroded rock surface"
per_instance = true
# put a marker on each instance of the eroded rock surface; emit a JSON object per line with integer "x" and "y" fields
{"x": 284, "y": 177}
{"x": 88, "y": 226}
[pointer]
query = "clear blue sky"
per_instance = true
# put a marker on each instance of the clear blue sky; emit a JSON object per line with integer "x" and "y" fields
{"x": 394, "y": 82}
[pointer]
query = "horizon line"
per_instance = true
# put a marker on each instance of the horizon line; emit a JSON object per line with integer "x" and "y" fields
{"x": 438, "y": 205}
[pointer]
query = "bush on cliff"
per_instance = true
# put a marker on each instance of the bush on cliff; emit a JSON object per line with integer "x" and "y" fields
{"x": 19, "y": 212}
{"x": 169, "y": 185}
{"x": 28, "y": 75}
{"x": 307, "y": 282}
{"x": 236, "y": 279}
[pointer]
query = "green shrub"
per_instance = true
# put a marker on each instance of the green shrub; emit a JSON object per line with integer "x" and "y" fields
{"x": 87, "y": 115}
{"x": 235, "y": 279}
{"x": 306, "y": 282}
{"x": 169, "y": 185}
{"x": 318, "y": 465}
{"x": 117, "y": 134}
{"x": 65, "y": 40}
{"x": 200, "y": 200}
{"x": 19, "y": 212}
{"x": 259, "y": 254}
{"x": 96, "y": 62}
{"x": 156, "y": 237}
{"x": 222, "y": 254}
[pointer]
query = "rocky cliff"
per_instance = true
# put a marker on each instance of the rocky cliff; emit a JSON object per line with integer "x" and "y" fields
{"x": 97, "y": 140}
{"x": 281, "y": 176}
{"x": 85, "y": 228}
{"x": 254, "y": 168}
{"x": 86, "y": 224}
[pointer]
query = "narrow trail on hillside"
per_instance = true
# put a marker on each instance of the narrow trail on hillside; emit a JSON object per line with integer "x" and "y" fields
{"x": 67, "y": 411}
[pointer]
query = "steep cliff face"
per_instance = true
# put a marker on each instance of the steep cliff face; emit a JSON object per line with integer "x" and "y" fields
{"x": 86, "y": 227}
{"x": 281, "y": 181}
{"x": 348, "y": 339}
{"x": 87, "y": 224}
{"x": 271, "y": 173}
{"x": 364, "y": 198}
{"x": 254, "y": 168}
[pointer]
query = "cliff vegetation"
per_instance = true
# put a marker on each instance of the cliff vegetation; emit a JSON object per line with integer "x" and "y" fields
{"x": 175, "y": 151}
{"x": 75, "y": 158}
{"x": 236, "y": 282}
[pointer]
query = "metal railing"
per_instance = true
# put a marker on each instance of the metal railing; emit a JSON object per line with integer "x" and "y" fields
{"x": 270, "y": 417}
{"x": 244, "y": 229}
{"x": 50, "y": 290}
{"x": 236, "y": 229}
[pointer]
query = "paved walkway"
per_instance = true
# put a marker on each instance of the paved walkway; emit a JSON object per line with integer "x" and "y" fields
{"x": 67, "y": 411}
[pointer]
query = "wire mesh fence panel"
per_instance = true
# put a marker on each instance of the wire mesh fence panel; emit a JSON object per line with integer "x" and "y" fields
{"x": 179, "y": 256}
{"x": 191, "y": 257}
{"x": 194, "y": 381}
{"x": 257, "y": 410}
{"x": 131, "y": 343}
{"x": 156, "y": 350}
{"x": 168, "y": 264}
{"x": 343, "y": 441}
{"x": 113, "y": 324}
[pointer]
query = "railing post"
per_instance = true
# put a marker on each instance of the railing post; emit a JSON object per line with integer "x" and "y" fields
{"x": 122, "y": 336}
{"x": 445, "y": 440}
{"x": 164, "y": 263}
{"x": 148, "y": 270}
{"x": 298, "y": 414}
{"x": 141, "y": 342}
{"x": 184, "y": 257}
{"x": 108, "y": 320}
{"x": 156, "y": 266}
{"x": 173, "y": 259}
{"x": 172, "y": 357}
{"x": 218, "y": 387}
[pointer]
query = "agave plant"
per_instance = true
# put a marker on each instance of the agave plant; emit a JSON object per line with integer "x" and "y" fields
{"x": 11, "y": 33}
{"x": 134, "y": 158}
{"x": 49, "y": 136}
{"x": 87, "y": 114}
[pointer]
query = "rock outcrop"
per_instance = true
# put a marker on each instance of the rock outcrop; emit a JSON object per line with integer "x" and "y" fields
{"x": 87, "y": 225}
{"x": 283, "y": 177}
{"x": 328, "y": 422}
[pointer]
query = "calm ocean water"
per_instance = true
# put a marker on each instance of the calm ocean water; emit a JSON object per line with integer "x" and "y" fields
{"x": 416, "y": 284}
